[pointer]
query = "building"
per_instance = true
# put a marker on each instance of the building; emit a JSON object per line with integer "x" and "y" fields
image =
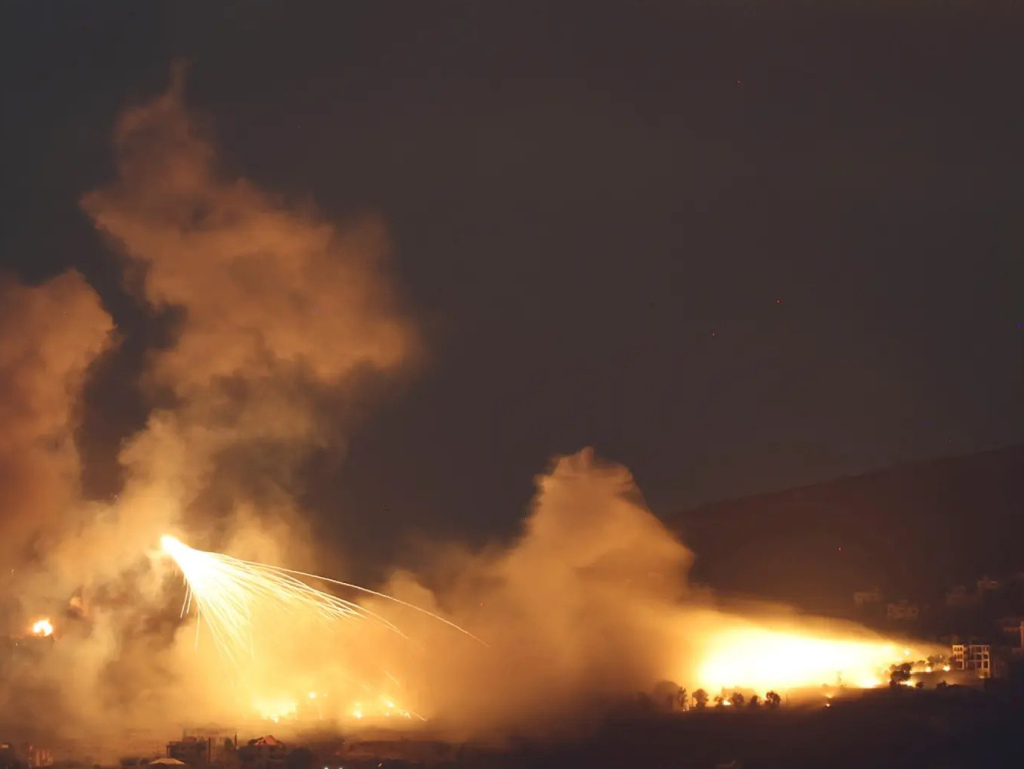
{"x": 222, "y": 741}
{"x": 24, "y": 756}
{"x": 870, "y": 597}
{"x": 194, "y": 751}
{"x": 264, "y": 753}
{"x": 973, "y": 657}
{"x": 1014, "y": 627}
{"x": 988, "y": 585}
{"x": 9, "y": 758}
{"x": 902, "y": 611}
{"x": 959, "y": 597}
{"x": 39, "y": 757}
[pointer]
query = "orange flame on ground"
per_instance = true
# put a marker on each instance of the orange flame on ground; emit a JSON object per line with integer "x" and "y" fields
{"x": 764, "y": 658}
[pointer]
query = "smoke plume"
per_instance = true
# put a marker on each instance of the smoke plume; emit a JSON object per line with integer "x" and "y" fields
{"x": 51, "y": 335}
{"x": 279, "y": 319}
{"x": 577, "y": 612}
{"x": 280, "y": 313}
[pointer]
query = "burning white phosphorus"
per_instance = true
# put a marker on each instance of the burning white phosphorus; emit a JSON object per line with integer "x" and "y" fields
{"x": 42, "y": 628}
{"x": 226, "y": 593}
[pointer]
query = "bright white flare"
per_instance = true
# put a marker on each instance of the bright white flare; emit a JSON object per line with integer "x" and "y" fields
{"x": 42, "y": 627}
{"x": 227, "y": 593}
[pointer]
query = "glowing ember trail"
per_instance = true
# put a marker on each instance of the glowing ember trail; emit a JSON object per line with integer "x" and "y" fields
{"x": 42, "y": 628}
{"x": 227, "y": 593}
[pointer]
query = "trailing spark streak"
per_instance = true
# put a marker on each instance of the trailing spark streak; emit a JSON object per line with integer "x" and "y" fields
{"x": 227, "y": 593}
{"x": 366, "y": 590}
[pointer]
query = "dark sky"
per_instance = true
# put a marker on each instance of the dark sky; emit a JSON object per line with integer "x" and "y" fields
{"x": 737, "y": 249}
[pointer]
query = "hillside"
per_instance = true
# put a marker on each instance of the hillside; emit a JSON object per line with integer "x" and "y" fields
{"x": 912, "y": 530}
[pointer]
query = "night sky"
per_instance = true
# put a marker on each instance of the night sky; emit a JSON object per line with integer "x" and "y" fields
{"x": 737, "y": 250}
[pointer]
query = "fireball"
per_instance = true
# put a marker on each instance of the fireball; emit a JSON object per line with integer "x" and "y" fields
{"x": 42, "y": 628}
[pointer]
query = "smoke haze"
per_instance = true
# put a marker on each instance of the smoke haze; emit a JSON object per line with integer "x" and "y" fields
{"x": 280, "y": 319}
{"x": 278, "y": 313}
{"x": 52, "y": 334}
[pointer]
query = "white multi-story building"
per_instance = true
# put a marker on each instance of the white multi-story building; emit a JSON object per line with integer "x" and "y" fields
{"x": 976, "y": 657}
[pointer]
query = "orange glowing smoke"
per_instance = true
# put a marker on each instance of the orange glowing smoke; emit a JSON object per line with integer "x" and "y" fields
{"x": 42, "y": 628}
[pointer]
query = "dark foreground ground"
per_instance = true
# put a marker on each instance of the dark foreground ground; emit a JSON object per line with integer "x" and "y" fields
{"x": 905, "y": 729}
{"x": 954, "y": 728}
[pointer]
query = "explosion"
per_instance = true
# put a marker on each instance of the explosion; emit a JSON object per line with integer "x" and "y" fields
{"x": 245, "y": 607}
{"x": 281, "y": 320}
{"x": 42, "y": 628}
{"x": 229, "y": 593}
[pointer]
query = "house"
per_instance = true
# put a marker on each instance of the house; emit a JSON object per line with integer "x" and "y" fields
{"x": 265, "y": 753}
{"x": 193, "y": 751}
{"x": 902, "y": 611}
{"x": 974, "y": 657}
{"x": 9, "y": 758}
{"x": 870, "y": 597}
{"x": 959, "y": 597}
{"x": 39, "y": 757}
{"x": 988, "y": 585}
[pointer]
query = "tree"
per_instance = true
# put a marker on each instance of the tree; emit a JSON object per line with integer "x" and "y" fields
{"x": 682, "y": 699}
{"x": 700, "y": 699}
{"x": 754, "y": 701}
{"x": 737, "y": 699}
{"x": 719, "y": 701}
{"x": 899, "y": 674}
{"x": 667, "y": 695}
{"x": 772, "y": 700}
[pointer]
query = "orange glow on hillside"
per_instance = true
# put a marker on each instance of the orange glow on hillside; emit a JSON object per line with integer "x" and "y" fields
{"x": 760, "y": 658}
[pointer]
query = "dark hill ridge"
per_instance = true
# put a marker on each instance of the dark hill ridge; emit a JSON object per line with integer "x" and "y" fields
{"x": 912, "y": 530}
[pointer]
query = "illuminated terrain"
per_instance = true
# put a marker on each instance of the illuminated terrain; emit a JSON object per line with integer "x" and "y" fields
{"x": 243, "y": 605}
{"x": 589, "y": 604}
